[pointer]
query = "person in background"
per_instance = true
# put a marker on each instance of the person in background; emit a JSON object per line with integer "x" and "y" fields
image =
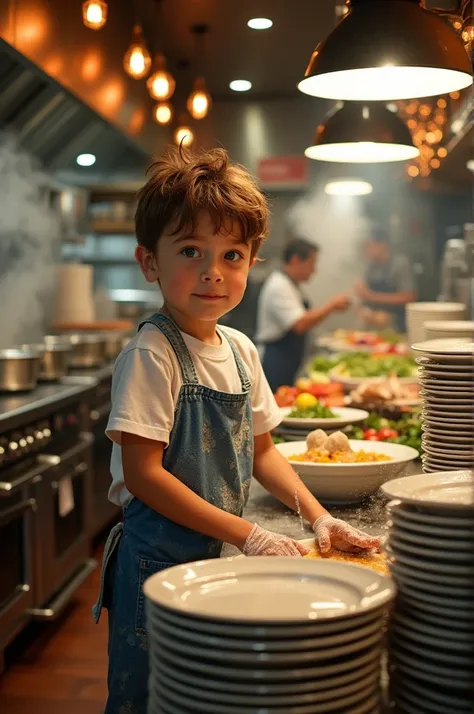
{"x": 389, "y": 283}
{"x": 284, "y": 316}
{"x": 191, "y": 410}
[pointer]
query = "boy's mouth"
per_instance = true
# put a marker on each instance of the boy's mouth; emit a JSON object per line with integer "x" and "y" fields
{"x": 209, "y": 296}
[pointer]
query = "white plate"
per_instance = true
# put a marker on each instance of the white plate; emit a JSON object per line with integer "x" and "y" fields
{"x": 452, "y": 489}
{"x": 268, "y": 589}
{"x": 456, "y": 570}
{"x": 321, "y": 687}
{"x": 433, "y": 589}
{"x": 457, "y": 641}
{"x": 441, "y": 464}
{"x": 452, "y": 454}
{"x": 321, "y": 672}
{"x": 447, "y": 422}
{"x": 463, "y": 558}
{"x": 220, "y": 691}
{"x": 438, "y": 434}
{"x": 448, "y": 348}
{"x": 434, "y": 697}
{"x": 432, "y": 363}
{"x": 444, "y": 399}
{"x": 401, "y": 570}
{"x": 432, "y": 672}
{"x": 353, "y": 382}
{"x": 431, "y": 541}
{"x": 458, "y": 385}
{"x": 349, "y": 483}
{"x": 463, "y": 661}
{"x": 453, "y": 375}
{"x": 345, "y": 416}
{"x": 429, "y": 520}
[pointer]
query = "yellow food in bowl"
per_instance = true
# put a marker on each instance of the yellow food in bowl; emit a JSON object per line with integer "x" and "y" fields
{"x": 321, "y": 456}
{"x": 369, "y": 559}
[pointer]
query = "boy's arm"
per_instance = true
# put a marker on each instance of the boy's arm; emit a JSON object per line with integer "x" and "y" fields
{"x": 146, "y": 479}
{"x": 273, "y": 471}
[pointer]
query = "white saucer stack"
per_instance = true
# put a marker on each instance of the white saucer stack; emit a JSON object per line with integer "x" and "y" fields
{"x": 447, "y": 390}
{"x": 431, "y": 557}
{"x": 266, "y": 635}
{"x": 446, "y": 329}
{"x": 417, "y": 313}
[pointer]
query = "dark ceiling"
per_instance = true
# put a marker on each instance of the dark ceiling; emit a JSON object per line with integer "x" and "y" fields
{"x": 273, "y": 60}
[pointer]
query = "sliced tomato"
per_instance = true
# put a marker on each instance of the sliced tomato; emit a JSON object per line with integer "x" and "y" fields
{"x": 369, "y": 434}
{"x": 387, "y": 433}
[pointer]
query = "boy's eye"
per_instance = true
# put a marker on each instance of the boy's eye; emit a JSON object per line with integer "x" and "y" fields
{"x": 190, "y": 252}
{"x": 233, "y": 256}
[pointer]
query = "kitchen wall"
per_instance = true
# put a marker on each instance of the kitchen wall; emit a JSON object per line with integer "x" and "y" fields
{"x": 29, "y": 247}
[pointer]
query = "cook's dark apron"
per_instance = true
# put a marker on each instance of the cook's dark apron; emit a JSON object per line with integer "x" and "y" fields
{"x": 386, "y": 285}
{"x": 283, "y": 357}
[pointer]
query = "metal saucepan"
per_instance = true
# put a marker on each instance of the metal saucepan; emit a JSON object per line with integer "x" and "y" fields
{"x": 19, "y": 369}
{"x": 88, "y": 350}
{"x": 55, "y": 356}
{"x": 114, "y": 343}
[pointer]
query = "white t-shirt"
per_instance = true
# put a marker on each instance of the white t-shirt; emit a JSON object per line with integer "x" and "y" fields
{"x": 280, "y": 305}
{"x": 147, "y": 380}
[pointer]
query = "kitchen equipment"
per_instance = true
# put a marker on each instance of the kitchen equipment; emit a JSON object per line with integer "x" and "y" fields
{"x": 19, "y": 369}
{"x": 229, "y": 635}
{"x": 75, "y": 297}
{"x": 54, "y": 359}
{"x": 88, "y": 350}
{"x": 430, "y": 551}
{"x": 418, "y": 313}
{"x": 349, "y": 483}
{"x": 113, "y": 344}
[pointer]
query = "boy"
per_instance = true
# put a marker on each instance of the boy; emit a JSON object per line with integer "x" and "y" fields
{"x": 191, "y": 409}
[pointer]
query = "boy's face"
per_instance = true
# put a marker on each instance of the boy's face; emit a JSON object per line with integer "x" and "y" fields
{"x": 202, "y": 276}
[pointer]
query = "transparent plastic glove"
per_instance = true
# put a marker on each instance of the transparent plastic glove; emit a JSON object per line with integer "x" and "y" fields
{"x": 332, "y": 532}
{"x": 262, "y": 542}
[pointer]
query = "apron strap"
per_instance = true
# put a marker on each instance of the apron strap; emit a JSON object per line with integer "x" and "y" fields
{"x": 171, "y": 331}
{"x": 244, "y": 380}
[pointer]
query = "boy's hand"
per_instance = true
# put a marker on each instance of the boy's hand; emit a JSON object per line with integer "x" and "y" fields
{"x": 262, "y": 542}
{"x": 332, "y": 532}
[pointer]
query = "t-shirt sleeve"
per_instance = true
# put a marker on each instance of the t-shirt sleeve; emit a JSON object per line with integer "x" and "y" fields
{"x": 265, "y": 411}
{"x": 402, "y": 275}
{"x": 142, "y": 398}
{"x": 286, "y": 306}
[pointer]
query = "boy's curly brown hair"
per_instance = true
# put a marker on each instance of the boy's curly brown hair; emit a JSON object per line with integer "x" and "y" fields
{"x": 182, "y": 184}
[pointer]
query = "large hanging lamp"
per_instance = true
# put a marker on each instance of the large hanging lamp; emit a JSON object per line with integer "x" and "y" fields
{"x": 388, "y": 49}
{"x": 362, "y": 133}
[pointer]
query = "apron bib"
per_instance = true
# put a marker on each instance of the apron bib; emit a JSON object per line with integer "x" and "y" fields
{"x": 282, "y": 358}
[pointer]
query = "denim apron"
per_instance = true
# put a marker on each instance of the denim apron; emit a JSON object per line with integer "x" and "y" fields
{"x": 211, "y": 452}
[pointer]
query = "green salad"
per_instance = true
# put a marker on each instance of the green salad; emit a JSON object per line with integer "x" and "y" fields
{"x": 363, "y": 365}
{"x": 318, "y": 411}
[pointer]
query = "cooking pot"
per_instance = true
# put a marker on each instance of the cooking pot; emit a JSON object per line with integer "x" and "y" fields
{"x": 88, "y": 350}
{"x": 55, "y": 358}
{"x": 19, "y": 369}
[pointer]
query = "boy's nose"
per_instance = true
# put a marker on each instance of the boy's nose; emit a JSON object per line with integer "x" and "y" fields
{"x": 211, "y": 274}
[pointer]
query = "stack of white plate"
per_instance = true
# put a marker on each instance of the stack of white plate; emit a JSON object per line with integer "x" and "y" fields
{"x": 447, "y": 391}
{"x": 261, "y": 635}
{"x": 442, "y": 329}
{"x": 417, "y": 313}
{"x": 431, "y": 558}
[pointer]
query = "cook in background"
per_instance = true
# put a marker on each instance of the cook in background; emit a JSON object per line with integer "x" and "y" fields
{"x": 389, "y": 283}
{"x": 284, "y": 316}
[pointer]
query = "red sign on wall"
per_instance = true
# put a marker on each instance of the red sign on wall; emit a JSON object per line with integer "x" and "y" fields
{"x": 283, "y": 172}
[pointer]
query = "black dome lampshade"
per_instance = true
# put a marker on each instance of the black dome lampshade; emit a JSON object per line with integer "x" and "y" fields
{"x": 362, "y": 132}
{"x": 385, "y": 50}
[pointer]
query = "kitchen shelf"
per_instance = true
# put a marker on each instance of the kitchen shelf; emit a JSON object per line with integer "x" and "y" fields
{"x": 104, "y": 226}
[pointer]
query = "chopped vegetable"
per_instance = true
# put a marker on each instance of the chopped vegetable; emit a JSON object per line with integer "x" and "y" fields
{"x": 317, "y": 411}
{"x": 406, "y": 430}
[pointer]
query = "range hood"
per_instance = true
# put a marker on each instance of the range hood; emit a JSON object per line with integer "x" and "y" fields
{"x": 55, "y": 126}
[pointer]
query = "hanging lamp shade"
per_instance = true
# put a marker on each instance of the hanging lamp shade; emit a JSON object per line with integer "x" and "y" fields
{"x": 388, "y": 49}
{"x": 362, "y": 133}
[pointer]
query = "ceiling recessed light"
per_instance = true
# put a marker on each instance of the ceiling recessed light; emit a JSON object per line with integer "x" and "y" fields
{"x": 348, "y": 187}
{"x": 240, "y": 85}
{"x": 86, "y": 159}
{"x": 260, "y": 23}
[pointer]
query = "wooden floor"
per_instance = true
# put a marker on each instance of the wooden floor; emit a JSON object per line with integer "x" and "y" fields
{"x": 59, "y": 668}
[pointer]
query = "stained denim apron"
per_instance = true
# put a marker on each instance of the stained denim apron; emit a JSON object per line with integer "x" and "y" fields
{"x": 211, "y": 452}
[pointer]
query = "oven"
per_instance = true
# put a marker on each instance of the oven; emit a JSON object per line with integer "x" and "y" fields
{"x": 103, "y": 511}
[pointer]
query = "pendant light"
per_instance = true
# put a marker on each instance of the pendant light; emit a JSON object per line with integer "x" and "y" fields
{"x": 362, "y": 133}
{"x": 388, "y": 49}
{"x": 137, "y": 59}
{"x": 161, "y": 84}
{"x": 163, "y": 113}
{"x": 94, "y": 14}
{"x": 199, "y": 101}
{"x": 183, "y": 135}
{"x": 348, "y": 187}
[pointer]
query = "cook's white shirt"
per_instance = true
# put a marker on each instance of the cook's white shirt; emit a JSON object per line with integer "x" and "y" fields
{"x": 280, "y": 305}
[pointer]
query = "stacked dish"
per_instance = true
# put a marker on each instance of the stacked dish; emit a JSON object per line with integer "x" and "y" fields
{"x": 259, "y": 635}
{"x": 442, "y": 329}
{"x": 447, "y": 391}
{"x": 417, "y": 313}
{"x": 430, "y": 552}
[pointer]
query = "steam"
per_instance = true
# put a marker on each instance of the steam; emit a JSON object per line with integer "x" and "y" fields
{"x": 29, "y": 247}
{"x": 338, "y": 226}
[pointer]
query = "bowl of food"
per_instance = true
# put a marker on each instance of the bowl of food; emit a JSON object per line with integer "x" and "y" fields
{"x": 338, "y": 470}
{"x": 353, "y": 369}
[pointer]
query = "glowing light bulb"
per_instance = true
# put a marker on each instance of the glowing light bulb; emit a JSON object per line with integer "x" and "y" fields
{"x": 199, "y": 101}
{"x": 161, "y": 83}
{"x": 94, "y": 14}
{"x": 163, "y": 113}
{"x": 184, "y": 136}
{"x": 137, "y": 60}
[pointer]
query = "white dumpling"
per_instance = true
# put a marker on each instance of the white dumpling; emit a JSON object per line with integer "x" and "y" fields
{"x": 337, "y": 442}
{"x": 316, "y": 439}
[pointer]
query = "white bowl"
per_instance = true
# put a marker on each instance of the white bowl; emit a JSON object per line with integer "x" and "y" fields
{"x": 349, "y": 483}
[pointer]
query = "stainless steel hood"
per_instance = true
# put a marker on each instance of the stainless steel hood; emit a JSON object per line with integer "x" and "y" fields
{"x": 55, "y": 126}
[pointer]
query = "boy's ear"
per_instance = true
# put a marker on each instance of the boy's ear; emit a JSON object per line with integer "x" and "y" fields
{"x": 148, "y": 264}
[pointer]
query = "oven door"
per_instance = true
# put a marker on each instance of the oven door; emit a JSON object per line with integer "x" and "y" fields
{"x": 17, "y": 522}
{"x": 103, "y": 510}
{"x": 63, "y": 519}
